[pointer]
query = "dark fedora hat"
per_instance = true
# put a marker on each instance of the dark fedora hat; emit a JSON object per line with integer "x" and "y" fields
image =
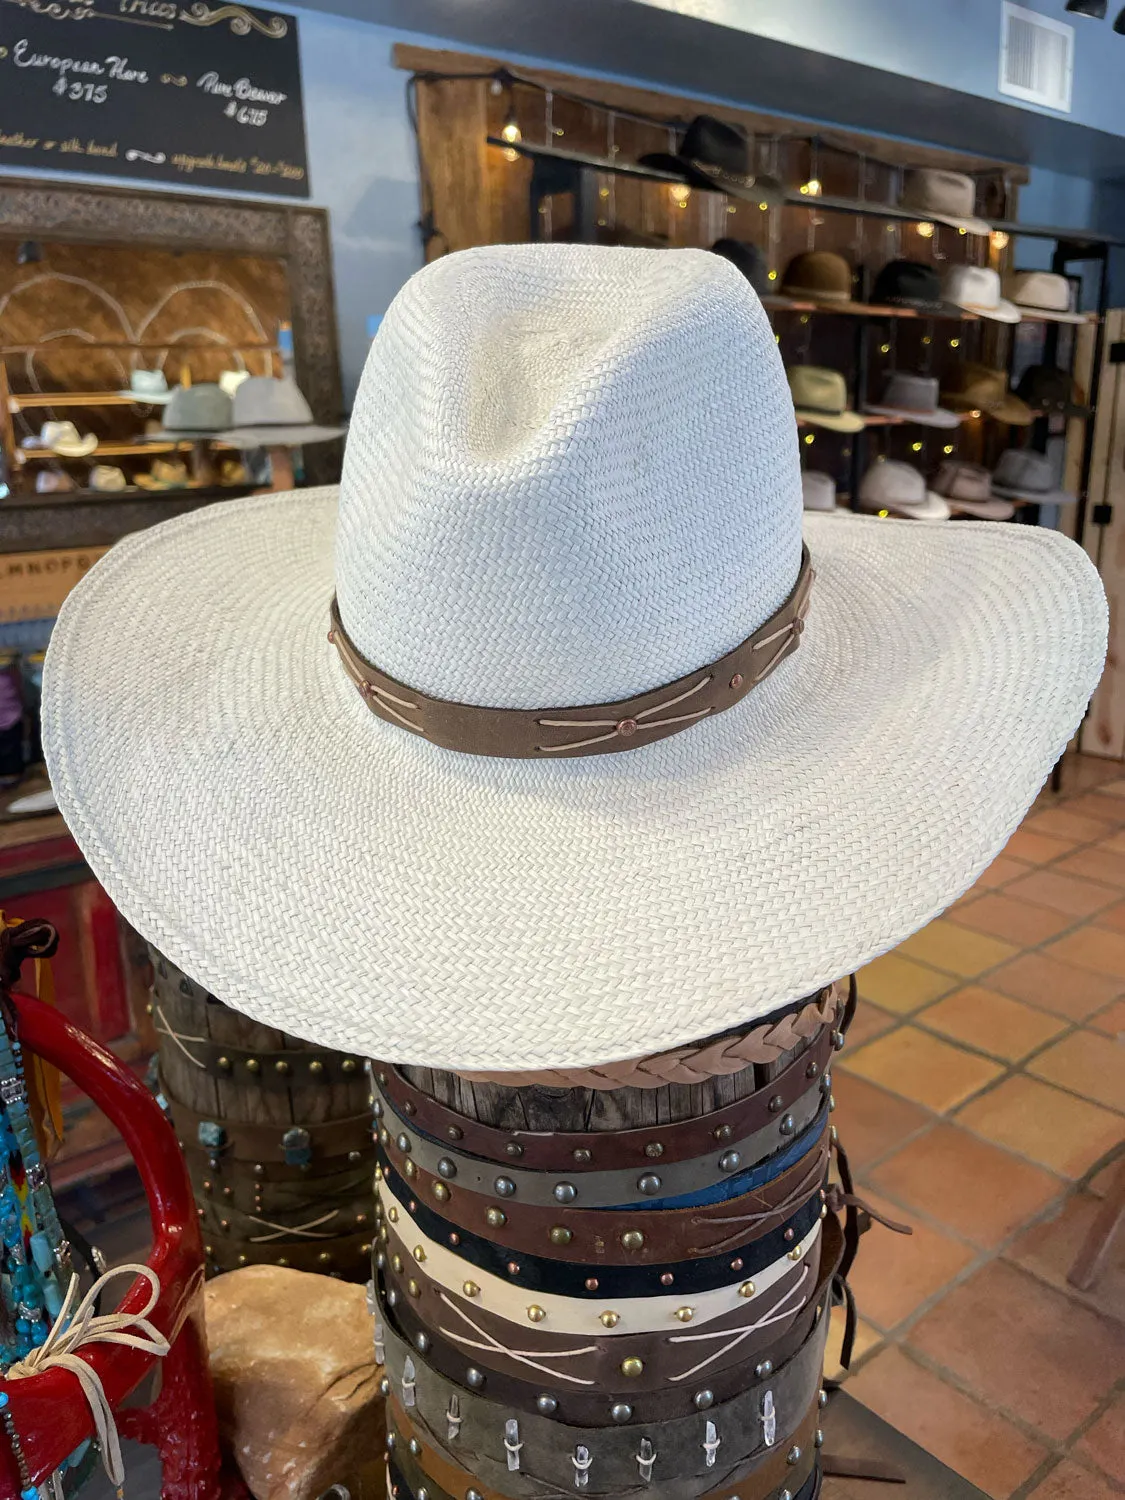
{"x": 749, "y": 260}
{"x": 715, "y": 154}
{"x": 908, "y": 283}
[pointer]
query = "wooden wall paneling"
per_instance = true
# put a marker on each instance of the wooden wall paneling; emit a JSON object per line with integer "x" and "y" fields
{"x": 452, "y": 125}
{"x": 1103, "y": 731}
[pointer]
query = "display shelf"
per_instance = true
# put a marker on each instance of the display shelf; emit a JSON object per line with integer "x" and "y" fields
{"x": 34, "y": 501}
{"x": 780, "y": 303}
{"x": 115, "y": 450}
{"x": 76, "y": 398}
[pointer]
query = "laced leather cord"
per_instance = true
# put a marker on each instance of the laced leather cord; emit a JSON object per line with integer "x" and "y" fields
{"x": 75, "y": 1328}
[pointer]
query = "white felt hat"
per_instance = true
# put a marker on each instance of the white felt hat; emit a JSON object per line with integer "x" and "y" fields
{"x": 571, "y": 475}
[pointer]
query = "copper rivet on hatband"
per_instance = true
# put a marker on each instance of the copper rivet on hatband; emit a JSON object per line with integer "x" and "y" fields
{"x": 513, "y": 1268}
{"x": 790, "y": 1234}
{"x": 496, "y": 1217}
{"x": 626, "y": 727}
{"x": 253, "y": 1065}
{"x": 736, "y": 680}
{"x": 560, "y": 1235}
{"x": 536, "y": 1313}
{"x": 632, "y": 1366}
{"x": 609, "y": 1319}
{"x": 746, "y": 1289}
{"x": 470, "y": 1288}
{"x": 316, "y": 1067}
{"x": 666, "y": 1279}
{"x": 349, "y": 1065}
{"x": 736, "y": 1263}
{"x": 441, "y": 1192}
{"x": 684, "y": 1314}
{"x": 591, "y": 1283}
{"x": 224, "y": 1064}
{"x": 632, "y": 1239}
{"x": 281, "y": 1066}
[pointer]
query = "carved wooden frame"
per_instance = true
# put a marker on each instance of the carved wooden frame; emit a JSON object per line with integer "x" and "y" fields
{"x": 296, "y": 234}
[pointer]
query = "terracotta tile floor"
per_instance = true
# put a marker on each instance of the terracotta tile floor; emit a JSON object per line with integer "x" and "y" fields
{"x": 981, "y": 1097}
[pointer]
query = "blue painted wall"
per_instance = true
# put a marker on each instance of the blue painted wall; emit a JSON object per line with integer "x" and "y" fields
{"x": 361, "y": 150}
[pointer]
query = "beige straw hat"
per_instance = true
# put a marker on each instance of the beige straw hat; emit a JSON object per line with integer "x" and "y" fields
{"x": 569, "y": 529}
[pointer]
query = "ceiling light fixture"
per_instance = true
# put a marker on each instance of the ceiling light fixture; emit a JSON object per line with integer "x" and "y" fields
{"x": 1119, "y": 24}
{"x": 1095, "y": 9}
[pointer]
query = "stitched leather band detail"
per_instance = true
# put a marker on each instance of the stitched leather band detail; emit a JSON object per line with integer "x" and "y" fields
{"x": 763, "y": 1043}
{"x": 589, "y": 729}
{"x": 606, "y": 1236}
{"x": 676, "y": 1369}
{"x": 647, "y": 1148}
{"x": 673, "y": 1356}
{"x": 244, "y": 1143}
{"x": 344, "y": 1255}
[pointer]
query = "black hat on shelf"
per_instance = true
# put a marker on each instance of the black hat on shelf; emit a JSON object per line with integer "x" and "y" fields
{"x": 749, "y": 260}
{"x": 715, "y": 154}
{"x": 908, "y": 283}
{"x": 1048, "y": 391}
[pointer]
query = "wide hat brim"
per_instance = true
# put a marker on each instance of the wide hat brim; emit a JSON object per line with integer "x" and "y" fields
{"x": 983, "y": 510}
{"x": 843, "y": 421}
{"x": 937, "y": 417}
{"x": 81, "y": 449}
{"x": 333, "y": 875}
{"x": 280, "y": 436}
{"x": 933, "y": 507}
{"x": 1008, "y": 408}
{"x": 155, "y": 398}
{"x": 1034, "y": 497}
{"x": 754, "y": 187}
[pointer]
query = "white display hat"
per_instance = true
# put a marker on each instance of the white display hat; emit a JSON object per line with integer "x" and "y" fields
{"x": 571, "y": 476}
{"x": 896, "y": 489}
{"x": 976, "y": 289}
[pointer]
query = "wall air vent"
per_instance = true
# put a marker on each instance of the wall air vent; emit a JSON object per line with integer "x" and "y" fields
{"x": 1036, "y": 58}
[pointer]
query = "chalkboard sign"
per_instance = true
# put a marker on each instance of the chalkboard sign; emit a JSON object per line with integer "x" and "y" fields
{"x": 200, "y": 93}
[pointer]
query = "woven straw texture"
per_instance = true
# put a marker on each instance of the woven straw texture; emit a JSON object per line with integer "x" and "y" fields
{"x": 555, "y": 492}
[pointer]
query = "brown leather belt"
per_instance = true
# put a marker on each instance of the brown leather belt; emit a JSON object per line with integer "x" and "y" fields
{"x": 346, "y": 1255}
{"x": 670, "y": 1357}
{"x": 264, "y": 1143}
{"x": 574, "y": 1151}
{"x": 240, "y": 1188}
{"x": 537, "y": 1390}
{"x": 273, "y": 1069}
{"x": 420, "y": 1457}
{"x": 629, "y": 1236}
{"x": 589, "y": 729}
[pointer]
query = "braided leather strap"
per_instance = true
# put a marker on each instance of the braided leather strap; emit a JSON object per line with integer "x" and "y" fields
{"x": 696, "y": 1063}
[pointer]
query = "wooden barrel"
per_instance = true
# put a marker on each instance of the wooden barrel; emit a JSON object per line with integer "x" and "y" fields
{"x": 276, "y": 1133}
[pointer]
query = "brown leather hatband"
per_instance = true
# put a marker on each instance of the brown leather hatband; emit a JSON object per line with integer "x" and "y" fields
{"x": 588, "y": 1151}
{"x": 591, "y": 729}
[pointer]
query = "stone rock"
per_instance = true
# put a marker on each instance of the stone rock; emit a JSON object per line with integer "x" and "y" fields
{"x": 296, "y": 1383}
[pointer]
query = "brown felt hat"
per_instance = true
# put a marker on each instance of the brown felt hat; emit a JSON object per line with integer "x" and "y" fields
{"x": 819, "y": 276}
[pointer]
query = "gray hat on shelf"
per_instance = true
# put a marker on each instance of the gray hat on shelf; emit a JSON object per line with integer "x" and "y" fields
{"x": 914, "y": 398}
{"x": 195, "y": 411}
{"x": 271, "y": 413}
{"x": 818, "y": 492}
{"x": 968, "y": 490}
{"x": 1023, "y": 474}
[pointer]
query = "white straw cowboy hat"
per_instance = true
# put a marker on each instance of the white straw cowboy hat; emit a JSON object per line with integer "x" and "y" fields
{"x": 570, "y": 516}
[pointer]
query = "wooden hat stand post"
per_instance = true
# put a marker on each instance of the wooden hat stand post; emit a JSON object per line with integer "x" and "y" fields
{"x": 613, "y": 1281}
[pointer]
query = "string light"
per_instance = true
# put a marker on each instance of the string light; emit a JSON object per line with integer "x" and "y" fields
{"x": 764, "y": 207}
{"x": 804, "y": 317}
{"x": 955, "y": 343}
{"x": 884, "y": 348}
{"x": 731, "y": 209}
{"x": 680, "y": 194}
{"x": 812, "y": 188}
{"x": 925, "y": 229}
{"x": 948, "y": 449}
{"x": 810, "y": 437}
{"x": 926, "y": 339}
{"x": 998, "y": 239}
{"x": 962, "y": 231}
{"x": 773, "y": 276}
{"x": 916, "y": 447}
{"x": 510, "y": 131}
{"x": 974, "y": 414}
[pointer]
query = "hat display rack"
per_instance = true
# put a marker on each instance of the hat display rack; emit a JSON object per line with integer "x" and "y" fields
{"x": 564, "y": 166}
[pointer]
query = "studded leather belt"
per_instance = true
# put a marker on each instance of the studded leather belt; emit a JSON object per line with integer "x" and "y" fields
{"x": 346, "y": 1254}
{"x": 649, "y": 1147}
{"x": 579, "y": 1279}
{"x": 232, "y": 1140}
{"x": 409, "y": 1149}
{"x": 662, "y": 1386}
{"x": 636, "y": 1236}
{"x": 673, "y": 1355}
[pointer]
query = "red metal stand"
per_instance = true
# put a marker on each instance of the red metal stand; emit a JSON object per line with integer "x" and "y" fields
{"x": 50, "y": 1413}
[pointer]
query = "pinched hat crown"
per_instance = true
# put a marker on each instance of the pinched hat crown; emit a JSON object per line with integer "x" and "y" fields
{"x": 572, "y": 476}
